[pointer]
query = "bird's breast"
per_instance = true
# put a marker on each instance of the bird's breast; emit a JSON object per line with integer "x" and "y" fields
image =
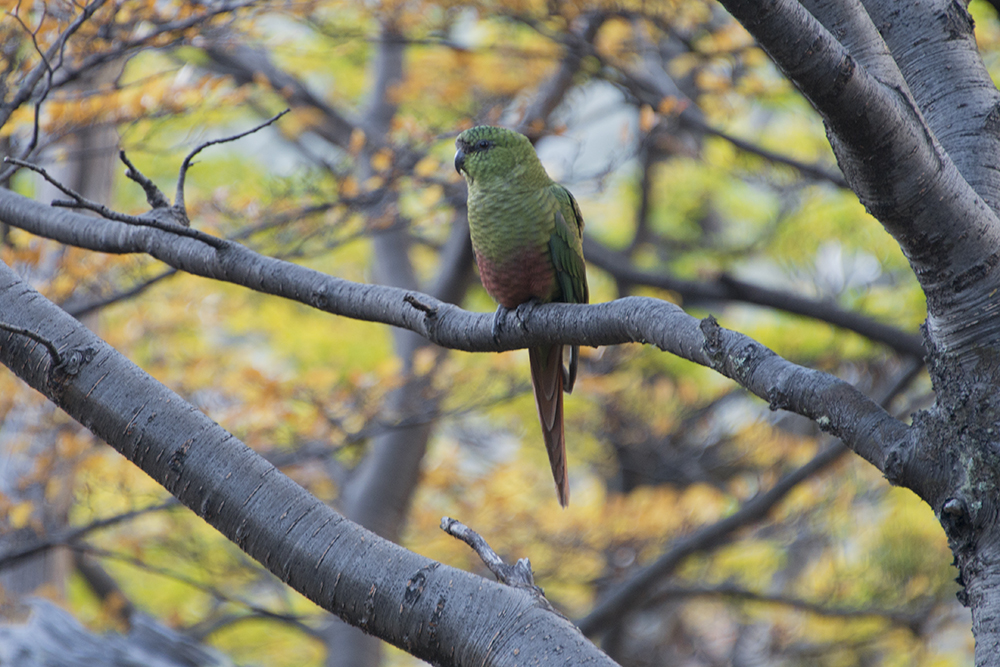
{"x": 510, "y": 235}
{"x": 527, "y": 274}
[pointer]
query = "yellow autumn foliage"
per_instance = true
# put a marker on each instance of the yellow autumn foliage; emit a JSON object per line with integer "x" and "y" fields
{"x": 659, "y": 448}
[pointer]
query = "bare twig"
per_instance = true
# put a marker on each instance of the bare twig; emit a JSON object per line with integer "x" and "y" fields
{"x": 163, "y": 216}
{"x": 215, "y": 592}
{"x": 53, "y": 350}
{"x": 84, "y": 309}
{"x": 33, "y": 33}
{"x": 44, "y": 68}
{"x": 179, "y": 197}
{"x": 70, "y": 536}
{"x": 129, "y": 46}
{"x": 79, "y": 201}
{"x": 517, "y": 575}
{"x": 420, "y": 305}
{"x": 154, "y": 196}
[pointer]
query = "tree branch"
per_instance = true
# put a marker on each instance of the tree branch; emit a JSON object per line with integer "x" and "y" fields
{"x": 836, "y": 406}
{"x": 30, "y": 83}
{"x": 912, "y": 620}
{"x": 67, "y": 537}
{"x": 949, "y": 82}
{"x": 179, "y": 197}
{"x": 552, "y": 92}
{"x": 27, "y": 88}
{"x": 245, "y": 63}
{"x": 814, "y": 171}
{"x": 79, "y": 310}
{"x": 518, "y": 575}
{"x": 637, "y": 589}
{"x": 435, "y": 612}
{"x": 856, "y": 30}
{"x": 162, "y": 215}
{"x": 899, "y": 171}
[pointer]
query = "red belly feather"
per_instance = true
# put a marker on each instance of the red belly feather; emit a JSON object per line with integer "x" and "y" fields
{"x": 527, "y": 274}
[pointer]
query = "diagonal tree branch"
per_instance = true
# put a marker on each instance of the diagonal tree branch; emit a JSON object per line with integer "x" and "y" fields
{"x": 637, "y": 589}
{"x": 245, "y": 63}
{"x": 552, "y": 92}
{"x": 71, "y": 535}
{"x": 433, "y": 611}
{"x": 835, "y": 405}
{"x": 944, "y": 71}
{"x": 912, "y": 620}
{"x": 899, "y": 171}
{"x": 814, "y": 171}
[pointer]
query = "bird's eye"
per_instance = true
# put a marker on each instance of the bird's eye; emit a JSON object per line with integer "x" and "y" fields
{"x": 483, "y": 144}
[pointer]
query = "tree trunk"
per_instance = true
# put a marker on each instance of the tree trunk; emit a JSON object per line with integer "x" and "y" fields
{"x": 435, "y": 612}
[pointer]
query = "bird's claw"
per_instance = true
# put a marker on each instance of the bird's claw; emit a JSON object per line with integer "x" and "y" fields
{"x": 523, "y": 312}
{"x": 499, "y": 319}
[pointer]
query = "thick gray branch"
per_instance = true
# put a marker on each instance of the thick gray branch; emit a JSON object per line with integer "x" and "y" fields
{"x": 899, "y": 171}
{"x": 848, "y": 20}
{"x": 933, "y": 43}
{"x": 435, "y": 612}
{"x": 835, "y": 405}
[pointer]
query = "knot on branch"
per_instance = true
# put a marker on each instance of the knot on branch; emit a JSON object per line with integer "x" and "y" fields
{"x": 778, "y": 399}
{"x": 957, "y": 522}
{"x": 712, "y": 347}
{"x": 415, "y": 585}
{"x": 64, "y": 365}
{"x": 72, "y": 362}
{"x": 170, "y": 215}
{"x": 955, "y": 518}
{"x": 318, "y": 298}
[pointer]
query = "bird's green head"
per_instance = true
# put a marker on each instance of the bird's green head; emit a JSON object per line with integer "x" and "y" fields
{"x": 490, "y": 155}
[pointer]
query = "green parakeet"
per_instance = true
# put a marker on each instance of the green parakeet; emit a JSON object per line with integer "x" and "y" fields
{"x": 527, "y": 234}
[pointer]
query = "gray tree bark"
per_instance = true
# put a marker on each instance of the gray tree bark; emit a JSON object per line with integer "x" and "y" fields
{"x": 911, "y": 113}
{"x": 431, "y": 610}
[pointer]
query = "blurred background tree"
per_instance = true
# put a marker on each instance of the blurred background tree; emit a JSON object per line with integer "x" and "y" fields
{"x": 705, "y": 179}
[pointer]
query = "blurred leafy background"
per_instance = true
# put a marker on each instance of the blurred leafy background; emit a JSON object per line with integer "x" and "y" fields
{"x": 844, "y": 570}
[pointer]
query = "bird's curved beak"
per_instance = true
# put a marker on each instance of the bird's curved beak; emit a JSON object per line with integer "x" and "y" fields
{"x": 459, "y": 160}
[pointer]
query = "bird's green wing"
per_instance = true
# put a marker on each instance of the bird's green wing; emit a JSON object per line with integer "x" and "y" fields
{"x": 566, "y": 246}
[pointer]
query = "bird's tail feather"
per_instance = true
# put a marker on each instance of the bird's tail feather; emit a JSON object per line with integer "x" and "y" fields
{"x": 547, "y": 382}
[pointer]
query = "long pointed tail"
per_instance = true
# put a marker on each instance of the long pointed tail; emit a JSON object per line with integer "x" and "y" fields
{"x": 547, "y": 381}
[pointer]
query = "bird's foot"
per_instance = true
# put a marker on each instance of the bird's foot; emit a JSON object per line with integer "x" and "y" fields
{"x": 523, "y": 312}
{"x": 499, "y": 321}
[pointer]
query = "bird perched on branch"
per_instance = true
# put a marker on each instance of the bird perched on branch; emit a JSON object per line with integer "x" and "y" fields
{"x": 527, "y": 233}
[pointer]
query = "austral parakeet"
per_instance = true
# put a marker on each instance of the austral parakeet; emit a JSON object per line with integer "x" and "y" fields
{"x": 527, "y": 234}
